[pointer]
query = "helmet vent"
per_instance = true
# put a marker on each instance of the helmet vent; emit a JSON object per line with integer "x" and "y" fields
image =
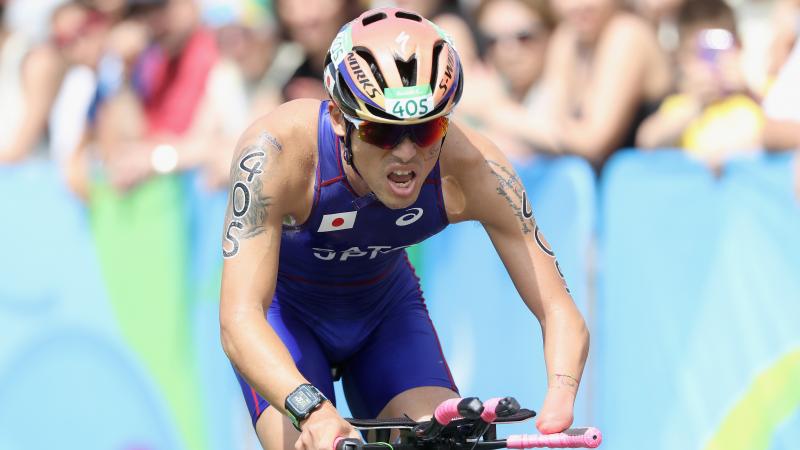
{"x": 347, "y": 97}
{"x": 366, "y": 55}
{"x": 409, "y": 16}
{"x": 408, "y": 71}
{"x": 437, "y": 50}
{"x": 373, "y": 18}
{"x": 379, "y": 113}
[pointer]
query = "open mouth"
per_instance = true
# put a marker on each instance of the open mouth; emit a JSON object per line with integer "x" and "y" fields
{"x": 401, "y": 181}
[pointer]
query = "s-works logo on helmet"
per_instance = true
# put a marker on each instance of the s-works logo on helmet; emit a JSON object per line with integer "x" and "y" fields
{"x": 361, "y": 77}
{"x": 448, "y": 71}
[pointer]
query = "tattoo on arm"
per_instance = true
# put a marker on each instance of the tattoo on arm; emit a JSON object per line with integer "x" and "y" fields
{"x": 248, "y": 207}
{"x": 560, "y": 380}
{"x": 510, "y": 188}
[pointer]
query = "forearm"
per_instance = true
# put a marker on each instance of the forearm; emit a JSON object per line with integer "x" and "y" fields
{"x": 26, "y": 138}
{"x": 260, "y": 356}
{"x": 663, "y": 130}
{"x": 781, "y": 135}
{"x": 582, "y": 138}
{"x": 566, "y": 346}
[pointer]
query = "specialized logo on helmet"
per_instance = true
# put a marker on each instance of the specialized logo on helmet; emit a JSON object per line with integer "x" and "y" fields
{"x": 402, "y": 39}
{"x": 361, "y": 77}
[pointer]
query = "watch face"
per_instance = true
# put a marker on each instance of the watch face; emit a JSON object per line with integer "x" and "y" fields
{"x": 302, "y": 400}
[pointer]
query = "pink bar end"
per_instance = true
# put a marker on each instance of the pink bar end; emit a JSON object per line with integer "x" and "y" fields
{"x": 574, "y": 438}
{"x": 489, "y": 413}
{"x": 447, "y": 411}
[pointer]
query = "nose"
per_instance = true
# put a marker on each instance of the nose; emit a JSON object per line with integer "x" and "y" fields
{"x": 405, "y": 150}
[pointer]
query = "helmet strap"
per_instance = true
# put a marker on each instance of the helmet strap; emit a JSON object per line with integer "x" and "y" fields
{"x": 348, "y": 151}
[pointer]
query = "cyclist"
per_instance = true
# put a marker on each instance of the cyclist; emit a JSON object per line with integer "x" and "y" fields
{"x": 325, "y": 196}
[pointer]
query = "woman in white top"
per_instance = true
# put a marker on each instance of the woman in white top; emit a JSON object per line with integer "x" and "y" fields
{"x": 29, "y": 81}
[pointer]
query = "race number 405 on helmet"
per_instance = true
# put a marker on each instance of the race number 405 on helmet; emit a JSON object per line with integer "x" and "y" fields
{"x": 393, "y": 66}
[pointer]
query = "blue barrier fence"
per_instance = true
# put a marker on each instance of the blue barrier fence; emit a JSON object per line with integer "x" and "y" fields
{"x": 699, "y": 301}
{"x": 697, "y": 295}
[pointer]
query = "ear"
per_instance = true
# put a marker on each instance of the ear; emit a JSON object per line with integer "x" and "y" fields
{"x": 337, "y": 120}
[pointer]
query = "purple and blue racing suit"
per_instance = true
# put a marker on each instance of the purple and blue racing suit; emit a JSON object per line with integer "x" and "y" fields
{"x": 347, "y": 295}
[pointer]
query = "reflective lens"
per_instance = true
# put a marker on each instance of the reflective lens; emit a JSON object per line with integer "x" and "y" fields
{"x": 388, "y": 136}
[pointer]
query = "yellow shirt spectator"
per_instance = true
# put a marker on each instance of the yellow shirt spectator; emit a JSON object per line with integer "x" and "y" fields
{"x": 733, "y": 123}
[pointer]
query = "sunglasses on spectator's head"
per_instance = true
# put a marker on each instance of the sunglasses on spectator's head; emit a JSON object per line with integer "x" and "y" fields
{"x": 522, "y": 37}
{"x": 388, "y": 136}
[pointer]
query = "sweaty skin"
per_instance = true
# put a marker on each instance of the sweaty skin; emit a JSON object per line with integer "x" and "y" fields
{"x": 478, "y": 184}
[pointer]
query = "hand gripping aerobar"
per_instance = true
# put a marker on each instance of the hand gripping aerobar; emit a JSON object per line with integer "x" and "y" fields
{"x": 465, "y": 424}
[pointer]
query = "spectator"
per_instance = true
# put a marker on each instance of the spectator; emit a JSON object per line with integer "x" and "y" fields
{"x": 663, "y": 14}
{"x": 150, "y": 97}
{"x": 447, "y": 14}
{"x": 80, "y": 33}
{"x": 113, "y": 10}
{"x": 712, "y": 116}
{"x": 250, "y": 40}
{"x": 786, "y": 25}
{"x": 516, "y": 34}
{"x": 313, "y": 24}
{"x": 248, "y": 81}
{"x": 782, "y": 110}
{"x": 607, "y": 73}
{"x": 29, "y": 80}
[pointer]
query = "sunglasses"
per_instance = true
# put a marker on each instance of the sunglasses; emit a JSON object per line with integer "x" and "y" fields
{"x": 388, "y": 136}
{"x": 522, "y": 37}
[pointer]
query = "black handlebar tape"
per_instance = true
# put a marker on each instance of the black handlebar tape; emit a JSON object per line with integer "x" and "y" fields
{"x": 341, "y": 443}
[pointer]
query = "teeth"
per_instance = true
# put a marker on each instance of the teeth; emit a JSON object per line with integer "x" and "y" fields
{"x": 402, "y": 172}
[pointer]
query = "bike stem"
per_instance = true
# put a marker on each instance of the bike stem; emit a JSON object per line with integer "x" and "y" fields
{"x": 492, "y": 409}
{"x": 454, "y": 408}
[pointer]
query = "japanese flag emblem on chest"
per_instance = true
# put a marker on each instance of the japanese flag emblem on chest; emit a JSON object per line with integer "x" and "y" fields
{"x": 338, "y": 221}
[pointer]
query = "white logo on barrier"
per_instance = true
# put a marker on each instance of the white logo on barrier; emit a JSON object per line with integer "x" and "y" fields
{"x": 409, "y": 217}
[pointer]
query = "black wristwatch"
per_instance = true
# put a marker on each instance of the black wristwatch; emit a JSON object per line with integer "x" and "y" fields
{"x": 302, "y": 402}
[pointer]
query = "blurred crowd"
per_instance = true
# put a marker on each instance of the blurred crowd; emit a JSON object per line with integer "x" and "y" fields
{"x": 129, "y": 89}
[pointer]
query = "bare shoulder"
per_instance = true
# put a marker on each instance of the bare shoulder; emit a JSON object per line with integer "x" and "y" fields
{"x": 628, "y": 31}
{"x": 291, "y": 131}
{"x": 279, "y": 149}
{"x": 466, "y": 150}
{"x": 468, "y": 163}
{"x": 636, "y": 39}
{"x": 43, "y": 64}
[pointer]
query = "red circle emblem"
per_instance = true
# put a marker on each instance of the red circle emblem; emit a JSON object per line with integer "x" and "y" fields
{"x": 337, "y": 222}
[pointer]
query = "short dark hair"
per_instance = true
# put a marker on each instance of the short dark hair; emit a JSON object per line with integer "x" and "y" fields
{"x": 695, "y": 14}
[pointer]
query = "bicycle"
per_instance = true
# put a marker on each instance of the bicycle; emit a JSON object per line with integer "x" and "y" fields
{"x": 465, "y": 424}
